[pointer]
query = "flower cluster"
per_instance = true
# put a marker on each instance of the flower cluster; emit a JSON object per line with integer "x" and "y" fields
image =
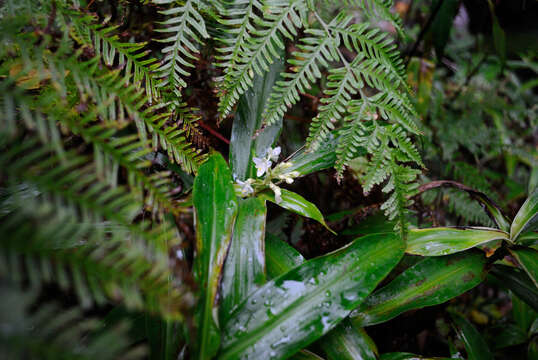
{"x": 263, "y": 167}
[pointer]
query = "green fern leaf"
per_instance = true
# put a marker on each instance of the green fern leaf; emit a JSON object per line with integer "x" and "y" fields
{"x": 318, "y": 48}
{"x": 186, "y": 25}
{"x": 281, "y": 18}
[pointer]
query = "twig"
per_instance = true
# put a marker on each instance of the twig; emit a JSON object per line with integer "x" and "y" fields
{"x": 423, "y": 31}
{"x": 213, "y": 132}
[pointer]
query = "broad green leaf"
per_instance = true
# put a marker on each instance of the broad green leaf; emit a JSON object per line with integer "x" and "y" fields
{"x": 476, "y": 347}
{"x": 518, "y": 281}
{"x": 344, "y": 341}
{"x": 528, "y": 259}
{"x": 445, "y": 240}
{"x": 215, "y": 206}
{"x": 527, "y": 217}
{"x": 245, "y": 142}
{"x": 442, "y": 24}
{"x": 529, "y": 238}
{"x": 298, "y": 307}
{"x": 407, "y": 356}
{"x": 244, "y": 268}
{"x": 280, "y": 257}
{"x": 491, "y": 208}
{"x": 348, "y": 341}
{"x": 432, "y": 281}
{"x": 522, "y": 313}
{"x": 305, "y": 355}
{"x": 296, "y": 203}
{"x": 307, "y": 162}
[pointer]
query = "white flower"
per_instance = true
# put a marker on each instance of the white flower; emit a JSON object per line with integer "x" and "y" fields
{"x": 246, "y": 188}
{"x": 272, "y": 154}
{"x": 286, "y": 177}
{"x": 277, "y": 191}
{"x": 262, "y": 165}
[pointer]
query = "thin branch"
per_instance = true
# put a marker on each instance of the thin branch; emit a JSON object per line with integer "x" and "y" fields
{"x": 423, "y": 31}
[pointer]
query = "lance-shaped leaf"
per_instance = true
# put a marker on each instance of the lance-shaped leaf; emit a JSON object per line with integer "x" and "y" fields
{"x": 528, "y": 259}
{"x": 476, "y": 346}
{"x": 518, "y": 281}
{"x": 244, "y": 268}
{"x": 407, "y": 356}
{"x": 523, "y": 314}
{"x": 491, "y": 208}
{"x": 527, "y": 217}
{"x": 529, "y": 238}
{"x": 298, "y": 307}
{"x": 215, "y": 205}
{"x": 346, "y": 341}
{"x": 296, "y": 203}
{"x": 432, "y": 281}
{"x": 446, "y": 240}
{"x": 305, "y": 355}
{"x": 280, "y": 257}
{"x": 324, "y": 157}
{"x": 245, "y": 142}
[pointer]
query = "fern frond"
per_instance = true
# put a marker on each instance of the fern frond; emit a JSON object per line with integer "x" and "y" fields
{"x": 343, "y": 83}
{"x": 461, "y": 204}
{"x": 403, "y": 187}
{"x": 318, "y": 48}
{"x": 379, "y": 10}
{"x": 241, "y": 13}
{"x": 388, "y": 146}
{"x": 110, "y": 86}
{"x": 111, "y": 151}
{"x": 134, "y": 60}
{"x": 374, "y": 44}
{"x": 186, "y": 25}
{"x": 71, "y": 219}
{"x": 46, "y": 330}
{"x": 280, "y": 18}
